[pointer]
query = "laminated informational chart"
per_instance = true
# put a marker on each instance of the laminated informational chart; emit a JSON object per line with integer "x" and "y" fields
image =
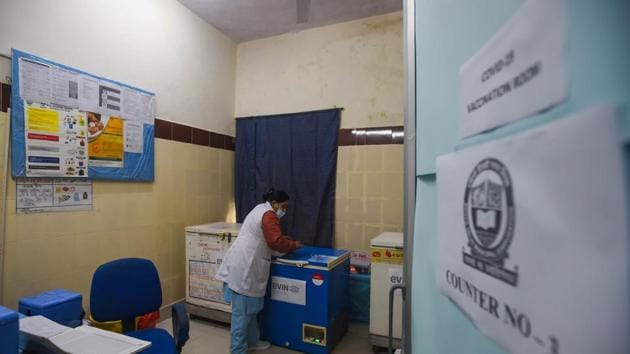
{"x": 201, "y": 282}
{"x": 69, "y": 123}
{"x": 205, "y": 255}
{"x": 35, "y": 195}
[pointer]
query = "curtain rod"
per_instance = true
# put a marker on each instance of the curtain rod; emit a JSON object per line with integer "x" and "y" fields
{"x": 290, "y": 114}
{"x": 5, "y": 56}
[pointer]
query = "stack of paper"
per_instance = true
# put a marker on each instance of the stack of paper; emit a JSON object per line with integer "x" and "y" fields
{"x": 81, "y": 340}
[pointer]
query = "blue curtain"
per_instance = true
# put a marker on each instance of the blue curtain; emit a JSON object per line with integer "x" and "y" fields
{"x": 296, "y": 153}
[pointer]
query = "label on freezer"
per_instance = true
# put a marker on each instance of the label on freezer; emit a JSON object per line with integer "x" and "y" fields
{"x": 288, "y": 290}
{"x": 395, "y": 276}
{"x": 387, "y": 255}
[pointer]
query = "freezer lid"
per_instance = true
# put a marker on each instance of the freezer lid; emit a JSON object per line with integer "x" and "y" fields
{"x": 216, "y": 228}
{"x": 388, "y": 239}
{"x": 314, "y": 256}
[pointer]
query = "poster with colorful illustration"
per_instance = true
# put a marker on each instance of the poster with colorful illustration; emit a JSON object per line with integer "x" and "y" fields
{"x": 55, "y": 141}
{"x": 106, "y": 143}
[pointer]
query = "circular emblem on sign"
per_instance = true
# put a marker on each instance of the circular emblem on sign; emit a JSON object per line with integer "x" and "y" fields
{"x": 489, "y": 210}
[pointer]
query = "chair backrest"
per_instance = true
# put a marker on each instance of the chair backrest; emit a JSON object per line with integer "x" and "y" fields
{"x": 124, "y": 289}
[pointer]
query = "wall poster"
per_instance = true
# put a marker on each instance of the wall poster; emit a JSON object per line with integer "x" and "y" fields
{"x": 68, "y": 123}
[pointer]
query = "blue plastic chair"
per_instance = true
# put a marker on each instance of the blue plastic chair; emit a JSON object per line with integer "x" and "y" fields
{"x": 127, "y": 288}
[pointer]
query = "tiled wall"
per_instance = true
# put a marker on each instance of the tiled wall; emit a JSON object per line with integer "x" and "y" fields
{"x": 369, "y": 194}
{"x": 193, "y": 184}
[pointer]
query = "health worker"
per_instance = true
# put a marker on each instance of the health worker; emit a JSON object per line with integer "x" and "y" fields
{"x": 245, "y": 269}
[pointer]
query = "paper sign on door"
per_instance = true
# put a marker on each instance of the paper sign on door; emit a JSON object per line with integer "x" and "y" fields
{"x": 532, "y": 237}
{"x": 520, "y": 71}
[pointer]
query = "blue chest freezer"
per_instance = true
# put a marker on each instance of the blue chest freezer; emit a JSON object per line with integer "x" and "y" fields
{"x": 307, "y": 303}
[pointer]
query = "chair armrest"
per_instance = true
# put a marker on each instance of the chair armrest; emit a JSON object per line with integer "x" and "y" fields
{"x": 181, "y": 325}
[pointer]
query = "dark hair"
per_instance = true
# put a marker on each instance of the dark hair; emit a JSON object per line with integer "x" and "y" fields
{"x": 277, "y": 196}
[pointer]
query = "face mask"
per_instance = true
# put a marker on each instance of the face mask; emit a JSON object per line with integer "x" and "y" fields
{"x": 280, "y": 213}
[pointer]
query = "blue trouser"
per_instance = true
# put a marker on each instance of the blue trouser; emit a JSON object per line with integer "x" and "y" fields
{"x": 244, "y": 330}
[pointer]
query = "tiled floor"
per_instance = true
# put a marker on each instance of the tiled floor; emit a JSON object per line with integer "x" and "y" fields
{"x": 209, "y": 338}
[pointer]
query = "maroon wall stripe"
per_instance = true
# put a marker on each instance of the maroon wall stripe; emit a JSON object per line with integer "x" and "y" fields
{"x": 179, "y": 132}
{"x": 216, "y": 140}
{"x": 347, "y": 137}
{"x": 182, "y": 133}
{"x": 5, "y": 97}
{"x": 186, "y": 134}
{"x": 230, "y": 143}
{"x": 163, "y": 129}
{"x": 200, "y": 137}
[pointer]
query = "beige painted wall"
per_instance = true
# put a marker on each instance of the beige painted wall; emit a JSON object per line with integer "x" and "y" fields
{"x": 157, "y": 45}
{"x": 369, "y": 198}
{"x": 193, "y": 185}
{"x": 356, "y": 65}
{"x": 160, "y": 46}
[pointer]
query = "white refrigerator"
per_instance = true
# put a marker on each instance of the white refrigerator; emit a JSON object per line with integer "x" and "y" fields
{"x": 387, "y": 270}
{"x": 206, "y": 246}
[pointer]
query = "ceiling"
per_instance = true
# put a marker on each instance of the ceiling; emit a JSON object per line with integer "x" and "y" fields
{"x": 246, "y": 20}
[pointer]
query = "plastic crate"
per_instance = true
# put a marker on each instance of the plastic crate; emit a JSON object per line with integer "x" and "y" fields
{"x": 360, "y": 298}
{"x": 62, "y": 306}
{"x": 9, "y": 331}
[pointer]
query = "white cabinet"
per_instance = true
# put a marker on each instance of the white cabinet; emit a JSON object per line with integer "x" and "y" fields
{"x": 206, "y": 246}
{"x": 387, "y": 270}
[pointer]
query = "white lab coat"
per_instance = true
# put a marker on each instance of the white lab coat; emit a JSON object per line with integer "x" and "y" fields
{"x": 245, "y": 268}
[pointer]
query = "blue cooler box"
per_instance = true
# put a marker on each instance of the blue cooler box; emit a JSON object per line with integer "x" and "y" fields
{"x": 9, "y": 331}
{"x": 360, "y": 298}
{"x": 307, "y": 303}
{"x": 62, "y": 306}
